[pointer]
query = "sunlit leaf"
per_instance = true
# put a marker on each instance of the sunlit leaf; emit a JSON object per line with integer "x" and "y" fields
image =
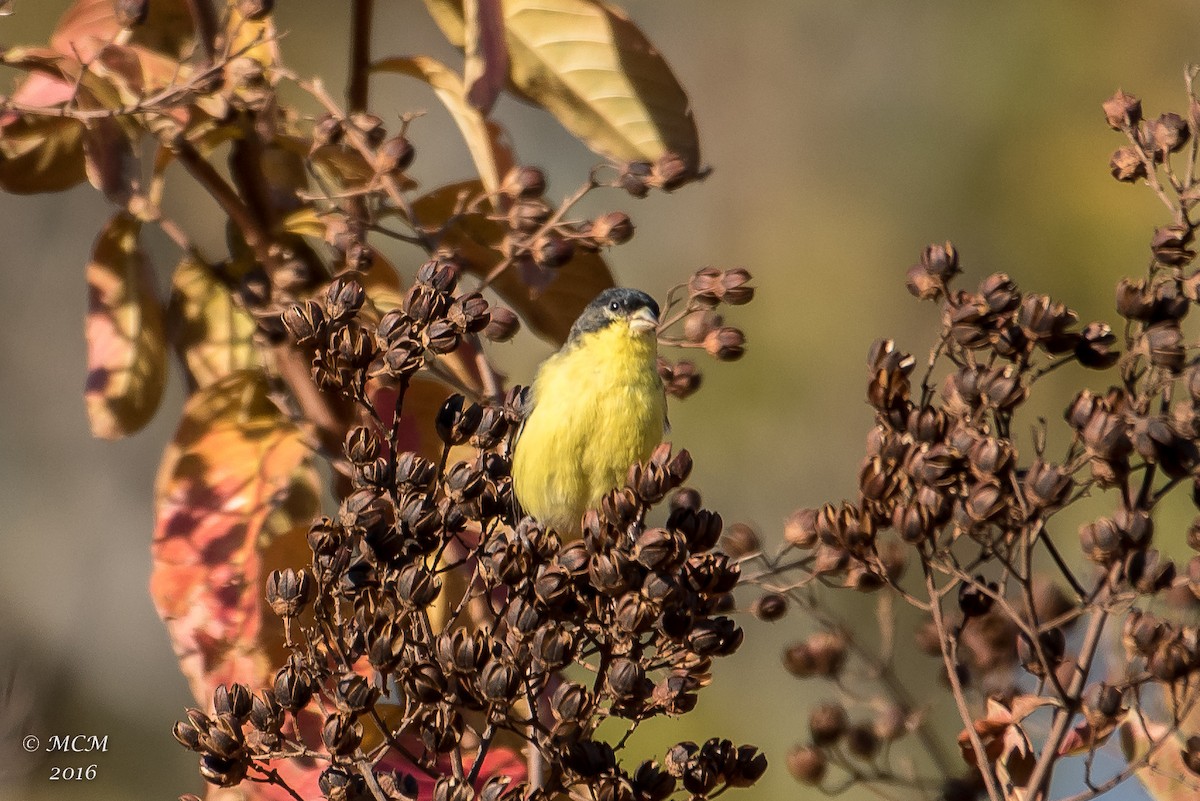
{"x": 136, "y": 72}
{"x": 1161, "y": 747}
{"x": 253, "y": 38}
{"x": 231, "y": 465}
{"x": 549, "y": 312}
{"x": 485, "y": 139}
{"x": 126, "y": 349}
{"x": 306, "y": 222}
{"x": 214, "y": 334}
{"x": 485, "y": 67}
{"x": 41, "y": 154}
{"x": 586, "y": 63}
{"x": 89, "y": 25}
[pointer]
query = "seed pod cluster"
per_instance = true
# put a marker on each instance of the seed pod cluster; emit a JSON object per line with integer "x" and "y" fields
{"x": 427, "y": 601}
{"x": 951, "y": 480}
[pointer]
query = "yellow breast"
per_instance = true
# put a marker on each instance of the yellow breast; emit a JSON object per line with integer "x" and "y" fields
{"x": 598, "y": 408}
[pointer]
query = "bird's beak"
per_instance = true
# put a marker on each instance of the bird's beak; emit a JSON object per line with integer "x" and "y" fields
{"x": 643, "y": 320}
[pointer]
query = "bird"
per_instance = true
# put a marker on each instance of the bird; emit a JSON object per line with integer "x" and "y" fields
{"x": 596, "y": 407}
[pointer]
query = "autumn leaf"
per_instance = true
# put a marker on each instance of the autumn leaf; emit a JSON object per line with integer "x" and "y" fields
{"x": 485, "y": 67}
{"x": 1159, "y": 750}
{"x": 89, "y": 25}
{"x": 233, "y": 463}
{"x": 126, "y": 349}
{"x": 586, "y": 63}
{"x": 214, "y": 334}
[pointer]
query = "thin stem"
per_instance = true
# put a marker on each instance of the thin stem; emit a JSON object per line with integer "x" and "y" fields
{"x": 981, "y": 762}
{"x": 1063, "y": 715}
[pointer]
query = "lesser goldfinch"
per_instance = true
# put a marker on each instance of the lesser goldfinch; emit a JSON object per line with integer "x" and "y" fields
{"x": 597, "y": 406}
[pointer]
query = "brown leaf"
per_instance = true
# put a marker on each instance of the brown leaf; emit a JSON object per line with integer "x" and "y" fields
{"x": 214, "y": 334}
{"x": 1162, "y": 746}
{"x": 586, "y": 63}
{"x": 232, "y": 464}
{"x": 126, "y": 349}
{"x": 89, "y": 25}
{"x": 486, "y": 140}
{"x": 41, "y": 154}
{"x": 109, "y": 160}
{"x": 549, "y": 313}
{"x": 485, "y": 68}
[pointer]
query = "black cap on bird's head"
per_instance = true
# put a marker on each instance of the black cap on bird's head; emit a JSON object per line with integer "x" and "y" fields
{"x": 633, "y": 306}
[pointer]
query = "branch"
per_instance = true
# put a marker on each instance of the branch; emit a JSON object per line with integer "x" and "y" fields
{"x": 1063, "y": 715}
{"x": 358, "y": 92}
{"x": 935, "y": 606}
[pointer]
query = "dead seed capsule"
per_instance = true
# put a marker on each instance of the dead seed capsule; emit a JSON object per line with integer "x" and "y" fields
{"x": 288, "y": 591}
{"x": 725, "y": 344}
{"x": 1122, "y": 110}
{"x": 502, "y": 326}
{"x": 1126, "y": 165}
{"x": 806, "y": 764}
{"x": 614, "y": 228}
{"x": 395, "y": 155}
{"x": 773, "y": 606}
{"x": 827, "y": 723}
{"x": 524, "y": 182}
{"x": 1168, "y": 132}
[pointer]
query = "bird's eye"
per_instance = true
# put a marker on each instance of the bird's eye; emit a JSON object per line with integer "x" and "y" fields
{"x": 614, "y": 306}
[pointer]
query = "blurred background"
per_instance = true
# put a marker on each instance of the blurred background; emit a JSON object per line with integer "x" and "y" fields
{"x": 844, "y": 136}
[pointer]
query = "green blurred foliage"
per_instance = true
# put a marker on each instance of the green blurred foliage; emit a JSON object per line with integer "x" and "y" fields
{"x": 844, "y": 136}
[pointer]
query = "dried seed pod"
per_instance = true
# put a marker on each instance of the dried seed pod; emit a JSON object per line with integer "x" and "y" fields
{"x": 524, "y": 182}
{"x": 771, "y": 607}
{"x": 394, "y": 155}
{"x": 740, "y": 541}
{"x": 807, "y": 764}
{"x": 1169, "y": 132}
{"x": 614, "y": 228}
{"x": 976, "y": 601}
{"x": 1122, "y": 111}
{"x": 457, "y": 419}
{"x": 288, "y": 591}
{"x": 502, "y": 325}
{"x": 221, "y": 771}
{"x": 827, "y": 722}
{"x": 306, "y": 322}
{"x": 1126, "y": 164}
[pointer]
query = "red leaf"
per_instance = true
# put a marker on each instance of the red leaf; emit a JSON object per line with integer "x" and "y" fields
{"x": 231, "y": 463}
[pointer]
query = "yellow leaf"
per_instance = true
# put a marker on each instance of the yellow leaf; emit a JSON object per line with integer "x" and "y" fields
{"x": 215, "y": 335}
{"x": 586, "y": 63}
{"x": 306, "y": 222}
{"x": 126, "y": 352}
